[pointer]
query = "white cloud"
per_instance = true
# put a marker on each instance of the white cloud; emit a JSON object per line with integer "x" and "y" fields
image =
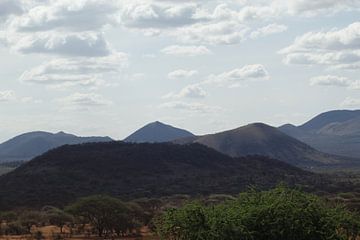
{"x": 191, "y": 91}
{"x": 238, "y": 75}
{"x": 191, "y": 107}
{"x": 182, "y": 73}
{"x": 214, "y": 33}
{"x": 186, "y": 51}
{"x": 75, "y": 71}
{"x": 351, "y": 102}
{"x": 330, "y": 80}
{"x": 7, "y": 95}
{"x": 268, "y": 30}
{"x": 83, "y": 101}
{"x": 335, "y": 81}
{"x": 71, "y": 44}
{"x": 69, "y": 15}
{"x": 314, "y": 7}
{"x": 340, "y": 47}
{"x": 157, "y": 16}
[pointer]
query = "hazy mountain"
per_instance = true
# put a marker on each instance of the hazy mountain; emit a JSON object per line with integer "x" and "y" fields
{"x": 29, "y": 145}
{"x": 261, "y": 139}
{"x": 157, "y": 132}
{"x": 131, "y": 171}
{"x": 324, "y": 119}
{"x": 334, "y": 132}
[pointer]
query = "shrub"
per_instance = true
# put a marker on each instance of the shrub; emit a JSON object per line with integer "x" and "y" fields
{"x": 279, "y": 214}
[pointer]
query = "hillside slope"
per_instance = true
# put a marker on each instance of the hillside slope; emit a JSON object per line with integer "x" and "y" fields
{"x": 157, "y": 132}
{"x": 29, "y": 145}
{"x": 139, "y": 170}
{"x": 334, "y": 132}
{"x": 261, "y": 139}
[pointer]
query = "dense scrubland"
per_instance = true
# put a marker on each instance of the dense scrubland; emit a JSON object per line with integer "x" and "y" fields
{"x": 280, "y": 214}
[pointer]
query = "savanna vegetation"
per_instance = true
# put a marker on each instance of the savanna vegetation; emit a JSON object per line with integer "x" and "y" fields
{"x": 279, "y": 214}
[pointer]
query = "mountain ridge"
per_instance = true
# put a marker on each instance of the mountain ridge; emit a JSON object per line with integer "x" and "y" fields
{"x": 262, "y": 139}
{"x": 31, "y": 144}
{"x": 334, "y": 132}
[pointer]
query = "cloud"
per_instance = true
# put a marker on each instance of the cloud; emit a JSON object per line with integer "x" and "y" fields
{"x": 83, "y": 101}
{"x": 75, "y": 71}
{"x": 7, "y": 95}
{"x": 268, "y": 30}
{"x": 182, "y": 73}
{"x": 238, "y": 75}
{"x": 339, "y": 47}
{"x": 335, "y": 81}
{"x": 191, "y": 91}
{"x": 351, "y": 102}
{"x": 153, "y": 15}
{"x": 330, "y": 80}
{"x": 214, "y": 33}
{"x": 69, "y": 15}
{"x": 72, "y": 44}
{"x": 65, "y": 28}
{"x": 9, "y": 7}
{"x": 314, "y": 7}
{"x": 191, "y": 107}
{"x": 186, "y": 51}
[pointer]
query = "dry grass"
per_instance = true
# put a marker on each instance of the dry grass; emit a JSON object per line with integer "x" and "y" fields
{"x": 49, "y": 231}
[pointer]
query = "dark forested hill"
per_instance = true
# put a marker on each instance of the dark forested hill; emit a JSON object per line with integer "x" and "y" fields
{"x": 261, "y": 139}
{"x": 157, "y": 132}
{"x": 334, "y": 132}
{"x": 29, "y": 145}
{"x": 140, "y": 170}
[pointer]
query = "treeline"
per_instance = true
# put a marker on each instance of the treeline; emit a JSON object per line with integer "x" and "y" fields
{"x": 279, "y": 214}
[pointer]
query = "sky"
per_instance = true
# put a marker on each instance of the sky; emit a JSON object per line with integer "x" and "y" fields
{"x": 108, "y": 67}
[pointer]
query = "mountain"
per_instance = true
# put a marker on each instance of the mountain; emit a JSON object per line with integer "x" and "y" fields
{"x": 129, "y": 171}
{"x": 335, "y": 132}
{"x": 261, "y": 139}
{"x": 157, "y": 132}
{"x": 29, "y": 145}
{"x": 324, "y": 119}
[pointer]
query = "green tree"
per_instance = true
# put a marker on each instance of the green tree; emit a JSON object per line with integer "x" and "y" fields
{"x": 104, "y": 213}
{"x": 279, "y": 214}
{"x": 56, "y": 216}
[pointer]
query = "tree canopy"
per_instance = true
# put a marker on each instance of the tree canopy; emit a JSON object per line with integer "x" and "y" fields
{"x": 278, "y": 214}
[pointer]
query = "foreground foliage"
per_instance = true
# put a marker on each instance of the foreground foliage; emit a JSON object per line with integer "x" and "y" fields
{"x": 279, "y": 214}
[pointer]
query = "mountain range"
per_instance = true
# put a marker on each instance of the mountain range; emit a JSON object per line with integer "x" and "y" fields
{"x": 331, "y": 138}
{"x": 131, "y": 171}
{"x": 157, "y": 132}
{"x": 335, "y": 132}
{"x": 29, "y": 145}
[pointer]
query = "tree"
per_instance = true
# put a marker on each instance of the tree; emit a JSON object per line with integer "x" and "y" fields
{"x": 57, "y": 217}
{"x": 104, "y": 213}
{"x": 30, "y": 218}
{"x": 278, "y": 214}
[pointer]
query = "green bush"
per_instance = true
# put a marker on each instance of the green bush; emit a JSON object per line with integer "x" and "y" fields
{"x": 279, "y": 214}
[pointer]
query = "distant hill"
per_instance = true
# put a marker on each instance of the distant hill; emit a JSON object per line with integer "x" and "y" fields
{"x": 157, "y": 132}
{"x": 324, "y": 119}
{"x": 335, "y": 132}
{"x": 132, "y": 171}
{"x": 29, "y": 145}
{"x": 261, "y": 139}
